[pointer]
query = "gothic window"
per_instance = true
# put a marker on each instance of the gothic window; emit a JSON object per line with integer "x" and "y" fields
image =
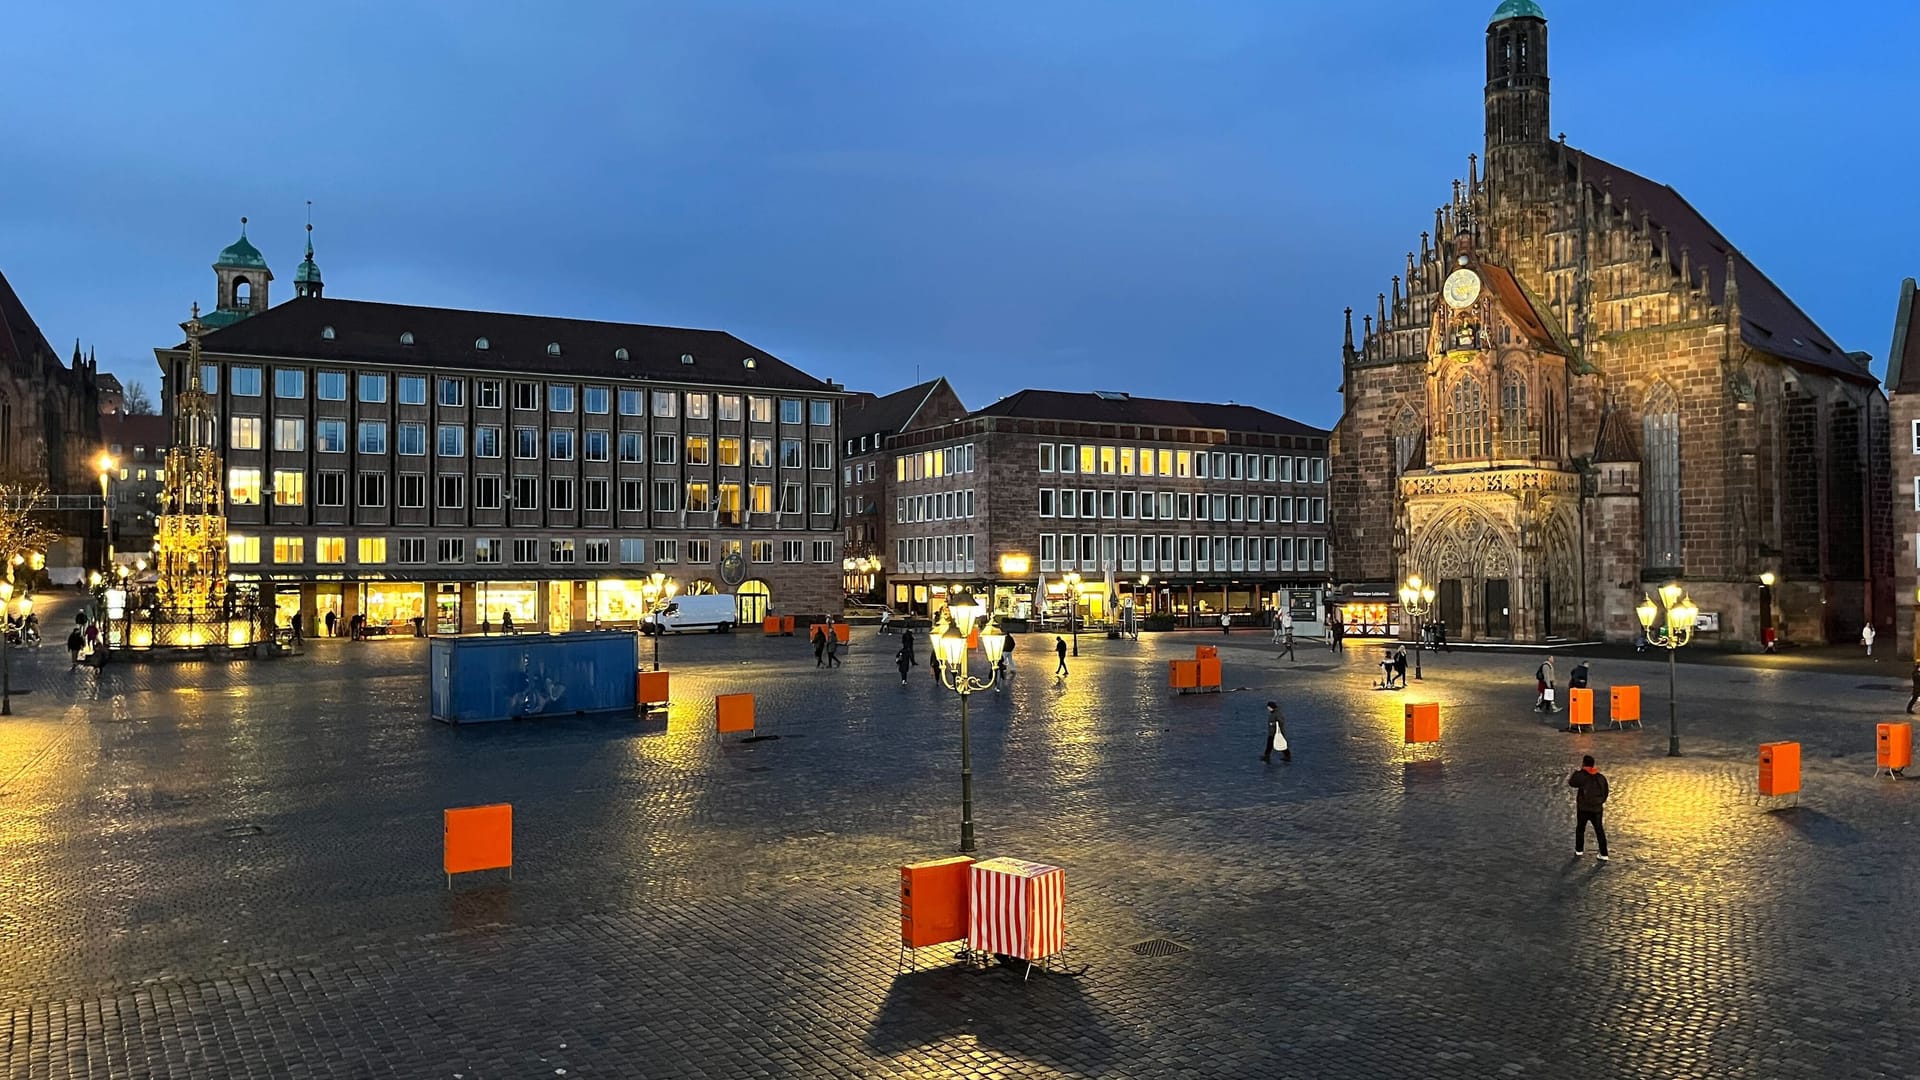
{"x": 1467, "y": 436}
{"x": 1513, "y": 416}
{"x": 1406, "y": 437}
{"x": 1660, "y": 430}
{"x": 1549, "y": 424}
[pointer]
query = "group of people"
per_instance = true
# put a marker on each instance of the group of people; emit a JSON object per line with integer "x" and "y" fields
{"x": 1545, "y": 691}
{"x": 1393, "y": 670}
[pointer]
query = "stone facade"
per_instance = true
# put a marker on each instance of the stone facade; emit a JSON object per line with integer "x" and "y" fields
{"x": 869, "y": 422}
{"x": 50, "y": 434}
{"x": 1903, "y": 478}
{"x": 1470, "y": 449}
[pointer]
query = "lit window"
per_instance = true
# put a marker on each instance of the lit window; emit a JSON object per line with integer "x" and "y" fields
{"x": 373, "y": 550}
{"x": 330, "y": 549}
{"x": 243, "y": 487}
{"x": 289, "y": 549}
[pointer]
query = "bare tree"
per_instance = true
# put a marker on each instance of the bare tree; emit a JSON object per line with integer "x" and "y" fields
{"x": 24, "y": 532}
{"x": 138, "y": 403}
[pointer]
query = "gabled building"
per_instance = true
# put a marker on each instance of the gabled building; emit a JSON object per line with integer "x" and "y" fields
{"x": 869, "y": 422}
{"x": 1903, "y": 404}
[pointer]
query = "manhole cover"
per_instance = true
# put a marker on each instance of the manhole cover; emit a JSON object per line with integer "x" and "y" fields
{"x": 1157, "y": 947}
{"x": 234, "y": 832}
{"x": 1879, "y": 686}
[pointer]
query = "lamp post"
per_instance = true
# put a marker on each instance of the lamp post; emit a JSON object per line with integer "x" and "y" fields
{"x": 962, "y": 611}
{"x": 6, "y": 649}
{"x": 1073, "y": 609}
{"x": 1679, "y": 619}
{"x": 105, "y": 462}
{"x": 1416, "y": 599}
{"x": 657, "y": 590}
{"x": 1766, "y": 610}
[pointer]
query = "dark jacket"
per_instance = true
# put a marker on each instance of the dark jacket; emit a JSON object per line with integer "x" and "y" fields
{"x": 1578, "y": 680}
{"x": 1593, "y": 790}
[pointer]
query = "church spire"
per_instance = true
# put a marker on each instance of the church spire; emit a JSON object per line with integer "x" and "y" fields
{"x": 306, "y": 280}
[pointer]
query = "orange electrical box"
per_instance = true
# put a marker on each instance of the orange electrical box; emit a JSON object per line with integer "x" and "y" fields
{"x": 786, "y": 626}
{"x": 650, "y": 687}
{"x": 1580, "y": 709}
{"x": 1623, "y": 705}
{"x": 477, "y": 838}
{"x": 1779, "y": 768}
{"x": 1209, "y": 671}
{"x": 843, "y": 631}
{"x": 733, "y": 712}
{"x": 1893, "y": 746}
{"x": 1183, "y": 674}
{"x": 1205, "y": 652}
{"x": 973, "y": 638}
{"x": 933, "y": 901}
{"x": 770, "y": 626}
{"x": 1423, "y": 721}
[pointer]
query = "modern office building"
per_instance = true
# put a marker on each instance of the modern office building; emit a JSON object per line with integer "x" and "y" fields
{"x": 1048, "y": 502}
{"x": 866, "y": 472}
{"x": 464, "y": 466}
{"x": 137, "y": 447}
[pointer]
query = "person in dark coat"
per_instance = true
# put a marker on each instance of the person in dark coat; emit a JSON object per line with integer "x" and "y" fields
{"x": 1589, "y": 805}
{"x": 332, "y": 620}
{"x": 906, "y": 646}
{"x": 1577, "y": 678}
{"x": 1400, "y": 665}
{"x": 1276, "y": 726}
{"x": 1287, "y": 642}
{"x": 903, "y": 661}
{"x": 296, "y": 622}
{"x": 819, "y": 647}
{"x": 833, "y": 648}
{"x": 77, "y": 640}
{"x": 1060, "y": 650}
{"x": 1916, "y": 686}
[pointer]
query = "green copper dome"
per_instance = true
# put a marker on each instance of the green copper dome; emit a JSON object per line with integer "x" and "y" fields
{"x": 1517, "y": 9}
{"x": 243, "y": 254}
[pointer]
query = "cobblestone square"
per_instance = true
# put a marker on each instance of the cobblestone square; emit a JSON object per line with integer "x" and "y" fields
{"x": 216, "y": 870}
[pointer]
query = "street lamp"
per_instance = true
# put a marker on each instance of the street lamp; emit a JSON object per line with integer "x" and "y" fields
{"x": 1416, "y": 599}
{"x": 1766, "y": 610}
{"x": 962, "y": 611}
{"x": 105, "y": 462}
{"x": 1073, "y": 609}
{"x": 657, "y": 590}
{"x": 1681, "y": 613}
{"x": 6, "y": 649}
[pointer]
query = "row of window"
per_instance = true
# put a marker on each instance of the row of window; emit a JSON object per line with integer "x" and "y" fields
{"x": 939, "y": 506}
{"x": 523, "y": 493}
{"x": 1179, "y": 506}
{"x": 1199, "y": 464}
{"x": 1168, "y": 554}
{"x": 935, "y": 555}
{"x": 562, "y": 444}
{"x": 245, "y": 550}
{"x": 931, "y": 464}
{"x": 451, "y": 392}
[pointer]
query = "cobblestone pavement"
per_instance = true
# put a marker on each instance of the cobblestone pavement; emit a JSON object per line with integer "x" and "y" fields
{"x": 233, "y": 870}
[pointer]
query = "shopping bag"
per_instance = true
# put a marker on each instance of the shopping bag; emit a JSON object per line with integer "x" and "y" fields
{"x": 1279, "y": 740}
{"x": 1549, "y": 695}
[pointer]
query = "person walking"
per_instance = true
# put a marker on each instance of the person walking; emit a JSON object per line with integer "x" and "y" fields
{"x": 1916, "y": 686}
{"x": 1867, "y": 634}
{"x": 296, "y": 622}
{"x": 886, "y": 616}
{"x": 506, "y": 622}
{"x": 1276, "y": 736}
{"x": 77, "y": 640}
{"x": 1580, "y": 677}
{"x": 1226, "y": 622}
{"x": 819, "y": 646}
{"x": 906, "y": 646}
{"x": 332, "y": 620}
{"x": 1400, "y": 665}
{"x": 833, "y": 647}
{"x": 1060, "y": 650}
{"x": 1543, "y": 678}
{"x": 903, "y": 660}
{"x": 1589, "y": 805}
{"x": 1006, "y": 656}
{"x": 1287, "y": 644}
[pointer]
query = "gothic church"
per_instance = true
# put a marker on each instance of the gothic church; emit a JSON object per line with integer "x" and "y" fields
{"x": 1580, "y": 390}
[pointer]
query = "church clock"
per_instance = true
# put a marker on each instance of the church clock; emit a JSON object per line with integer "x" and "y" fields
{"x": 1462, "y": 288}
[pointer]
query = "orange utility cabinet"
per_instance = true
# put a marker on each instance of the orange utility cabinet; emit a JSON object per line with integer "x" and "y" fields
{"x": 933, "y": 902}
{"x": 733, "y": 712}
{"x": 477, "y": 838}
{"x": 1423, "y": 721}
{"x": 1205, "y": 652}
{"x": 1779, "y": 768}
{"x": 1183, "y": 674}
{"x": 1623, "y": 705}
{"x": 843, "y": 631}
{"x": 650, "y": 687}
{"x": 1893, "y": 747}
{"x": 1209, "y": 672}
{"x": 786, "y": 626}
{"x": 1580, "y": 709}
{"x": 770, "y": 626}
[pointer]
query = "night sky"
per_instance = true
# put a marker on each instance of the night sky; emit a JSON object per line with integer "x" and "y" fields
{"x": 1170, "y": 199}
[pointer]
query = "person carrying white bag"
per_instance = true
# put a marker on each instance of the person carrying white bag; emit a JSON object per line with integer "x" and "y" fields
{"x": 1276, "y": 735}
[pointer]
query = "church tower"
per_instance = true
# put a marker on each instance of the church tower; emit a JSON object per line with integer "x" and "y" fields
{"x": 1518, "y": 119}
{"x": 306, "y": 280}
{"x": 242, "y": 276}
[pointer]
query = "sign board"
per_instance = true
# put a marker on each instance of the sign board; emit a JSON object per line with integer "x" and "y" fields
{"x": 1303, "y": 602}
{"x": 1707, "y": 622}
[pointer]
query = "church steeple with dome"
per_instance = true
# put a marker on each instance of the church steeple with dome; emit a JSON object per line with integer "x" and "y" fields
{"x": 242, "y": 276}
{"x": 306, "y": 280}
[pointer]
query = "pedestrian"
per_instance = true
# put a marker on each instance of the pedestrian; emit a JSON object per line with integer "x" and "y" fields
{"x": 1278, "y": 631}
{"x": 1276, "y": 736}
{"x": 1288, "y": 643}
{"x": 903, "y": 661}
{"x": 1400, "y": 665}
{"x": 1386, "y": 672}
{"x": 886, "y": 616}
{"x": 1340, "y": 635}
{"x": 1226, "y": 622}
{"x": 1579, "y": 677}
{"x": 819, "y": 646}
{"x": 1006, "y": 657}
{"x": 833, "y": 648}
{"x": 1543, "y": 678}
{"x": 1589, "y": 804}
{"x": 1286, "y": 623}
{"x": 906, "y": 645}
{"x": 1060, "y": 650}
{"x": 93, "y": 643}
{"x": 1916, "y": 686}
{"x": 77, "y": 640}
{"x": 33, "y": 628}
{"x": 295, "y": 623}
{"x": 1867, "y": 635}
{"x": 1333, "y": 633}
{"x": 506, "y": 622}
{"x": 1767, "y": 638}
{"x": 332, "y": 619}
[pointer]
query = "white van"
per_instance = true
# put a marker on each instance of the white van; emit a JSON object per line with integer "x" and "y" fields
{"x": 683, "y": 614}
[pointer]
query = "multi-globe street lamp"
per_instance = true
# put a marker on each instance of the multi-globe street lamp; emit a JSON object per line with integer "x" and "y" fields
{"x": 962, "y": 612}
{"x": 1678, "y": 621}
{"x": 6, "y": 648}
{"x": 1073, "y": 609}
{"x": 656, "y": 591}
{"x": 1416, "y": 599}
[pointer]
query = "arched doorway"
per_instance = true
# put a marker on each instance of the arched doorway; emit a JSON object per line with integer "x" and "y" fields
{"x": 751, "y": 600}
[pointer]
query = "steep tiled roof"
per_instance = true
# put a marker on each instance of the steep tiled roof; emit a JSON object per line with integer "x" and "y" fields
{"x": 888, "y": 415}
{"x": 1114, "y": 408}
{"x": 363, "y": 331}
{"x": 1769, "y": 321}
{"x": 21, "y": 342}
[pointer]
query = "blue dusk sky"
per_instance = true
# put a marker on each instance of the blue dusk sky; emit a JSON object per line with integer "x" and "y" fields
{"x": 1174, "y": 199}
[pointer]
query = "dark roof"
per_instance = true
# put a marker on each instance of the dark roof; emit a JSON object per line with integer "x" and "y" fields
{"x": 364, "y": 331}
{"x": 1113, "y": 408}
{"x": 22, "y": 345}
{"x": 1614, "y": 441}
{"x": 1903, "y": 359}
{"x": 1769, "y": 321}
{"x": 130, "y": 430}
{"x": 887, "y": 415}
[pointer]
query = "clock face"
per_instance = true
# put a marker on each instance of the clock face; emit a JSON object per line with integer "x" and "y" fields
{"x": 1462, "y": 288}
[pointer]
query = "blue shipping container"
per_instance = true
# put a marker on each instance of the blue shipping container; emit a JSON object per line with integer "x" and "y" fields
{"x": 476, "y": 679}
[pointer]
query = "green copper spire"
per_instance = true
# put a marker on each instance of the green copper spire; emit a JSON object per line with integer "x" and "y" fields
{"x": 306, "y": 280}
{"x": 241, "y": 253}
{"x": 1517, "y": 9}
